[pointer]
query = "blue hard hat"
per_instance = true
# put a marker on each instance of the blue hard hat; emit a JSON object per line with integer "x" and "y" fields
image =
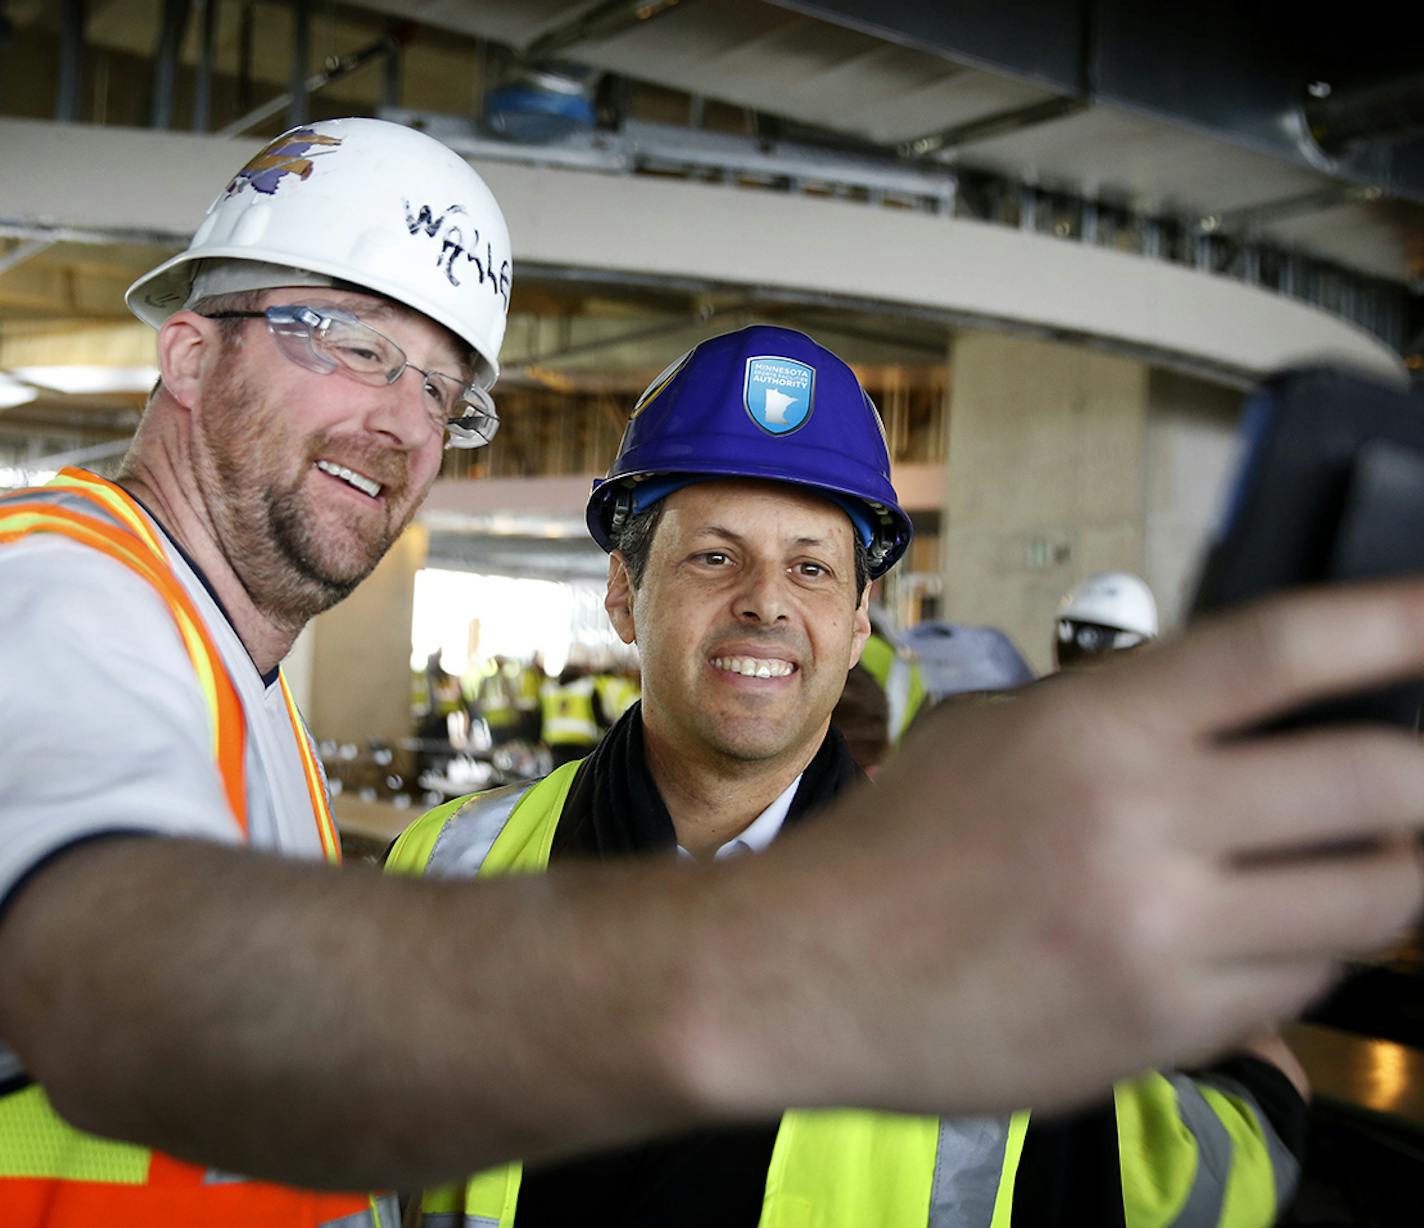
{"x": 763, "y": 402}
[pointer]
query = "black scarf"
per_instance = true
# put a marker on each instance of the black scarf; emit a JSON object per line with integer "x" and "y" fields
{"x": 615, "y": 810}
{"x": 710, "y": 1178}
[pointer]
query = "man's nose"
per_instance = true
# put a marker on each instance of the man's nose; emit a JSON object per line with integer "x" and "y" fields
{"x": 401, "y": 411}
{"x": 762, "y": 597}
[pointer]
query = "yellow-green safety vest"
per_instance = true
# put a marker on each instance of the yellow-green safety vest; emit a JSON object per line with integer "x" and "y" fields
{"x": 616, "y": 694}
{"x": 898, "y": 674}
{"x": 567, "y": 714}
{"x": 1193, "y": 1152}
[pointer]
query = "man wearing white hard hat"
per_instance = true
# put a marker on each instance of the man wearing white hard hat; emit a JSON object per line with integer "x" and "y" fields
{"x": 334, "y": 324}
{"x": 178, "y": 1010}
{"x": 1112, "y": 611}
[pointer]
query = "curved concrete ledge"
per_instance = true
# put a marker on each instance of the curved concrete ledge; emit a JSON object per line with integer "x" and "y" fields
{"x": 78, "y": 180}
{"x": 972, "y": 270}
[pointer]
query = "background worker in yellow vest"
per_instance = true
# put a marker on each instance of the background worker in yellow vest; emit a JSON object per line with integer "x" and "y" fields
{"x": 896, "y": 671}
{"x": 252, "y": 1010}
{"x": 496, "y": 699}
{"x": 743, "y": 578}
{"x": 615, "y": 690}
{"x": 528, "y": 687}
{"x": 569, "y": 725}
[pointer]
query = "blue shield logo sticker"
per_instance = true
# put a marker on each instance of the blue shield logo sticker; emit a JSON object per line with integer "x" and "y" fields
{"x": 779, "y": 393}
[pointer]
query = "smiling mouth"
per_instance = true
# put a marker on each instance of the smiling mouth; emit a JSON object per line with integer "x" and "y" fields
{"x": 755, "y": 667}
{"x": 357, "y": 480}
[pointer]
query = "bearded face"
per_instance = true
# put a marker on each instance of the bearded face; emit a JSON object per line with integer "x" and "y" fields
{"x": 304, "y": 497}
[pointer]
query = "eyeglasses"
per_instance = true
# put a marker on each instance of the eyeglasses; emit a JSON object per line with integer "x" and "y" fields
{"x": 333, "y": 340}
{"x": 1079, "y": 640}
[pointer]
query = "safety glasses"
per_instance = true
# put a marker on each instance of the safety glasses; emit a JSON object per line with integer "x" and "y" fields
{"x": 333, "y": 340}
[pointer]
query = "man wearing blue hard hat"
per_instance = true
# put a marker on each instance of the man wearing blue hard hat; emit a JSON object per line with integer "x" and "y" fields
{"x": 748, "y": 509}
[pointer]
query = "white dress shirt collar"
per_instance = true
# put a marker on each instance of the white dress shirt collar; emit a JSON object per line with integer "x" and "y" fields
{"x": 760, "y": 832}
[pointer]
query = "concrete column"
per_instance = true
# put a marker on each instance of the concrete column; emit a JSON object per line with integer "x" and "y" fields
{"x": 1045, "y": 479}
{"x": 1191, "y": 456}
{"x": 360, "y": 652}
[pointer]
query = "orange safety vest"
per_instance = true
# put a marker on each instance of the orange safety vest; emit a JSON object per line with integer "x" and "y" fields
{"x": 52, "y": 1175}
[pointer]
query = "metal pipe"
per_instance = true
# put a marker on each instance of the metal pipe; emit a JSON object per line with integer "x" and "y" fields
{"x": 602, "y": 21}
{"x": 18, "y": 255}
{"x": 301, "y": 56}
{"x": 71, "y": 61}
{"x": 1001, "y": 123}
{"x": 207, "y": 57}
{"x": 165, "y": 61}
{"x": 1152, "y": 238}
{"x": 246, "y": 32}
{"x": 343, "y": 67}
{"x": 391, "y": 69}
{"x": 1089, "y": 224}
{"x": 7, "y": 39}
{"x": 1028, "y": 208}
{"x": 650, "y": 333}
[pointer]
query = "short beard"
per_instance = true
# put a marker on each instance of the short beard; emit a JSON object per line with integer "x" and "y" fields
{"x": 307, "y": 589}
{"x": 271, "y": 545}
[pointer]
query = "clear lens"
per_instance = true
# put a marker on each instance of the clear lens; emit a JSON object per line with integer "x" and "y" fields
{"x": 477, "y": 420}
{"x": 293, "y": 329}
{"x": 358, "y": 347}
{"x": 327, "y": 340}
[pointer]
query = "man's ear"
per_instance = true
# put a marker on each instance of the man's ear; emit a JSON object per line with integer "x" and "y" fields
{"x": 619, "y": 599}
{"x": 188, "y": 345}
{"x": 860, "y": 627}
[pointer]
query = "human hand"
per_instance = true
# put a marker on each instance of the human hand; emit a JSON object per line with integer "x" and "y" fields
{"x": 1044, "y": 896}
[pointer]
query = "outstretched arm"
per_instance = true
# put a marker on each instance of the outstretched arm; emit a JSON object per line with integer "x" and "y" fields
{"x": 1039, "y": 898}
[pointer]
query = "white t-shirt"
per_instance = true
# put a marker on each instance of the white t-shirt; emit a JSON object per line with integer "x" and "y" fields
{"x": 103, "y": 727}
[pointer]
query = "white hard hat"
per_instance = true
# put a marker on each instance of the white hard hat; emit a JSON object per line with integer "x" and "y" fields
{"x": 367, "y": 203}
{"x": 1112, "y": 599}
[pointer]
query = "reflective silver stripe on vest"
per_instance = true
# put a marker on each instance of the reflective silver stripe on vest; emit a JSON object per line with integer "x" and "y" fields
{"x": 469, "y": 834}
{"x": 453, "y": 1219}
{"x": 1202, "y": 1208}
{"x": 386, "y": 1214}
{"x": 969, "y": 1165}
{"x": 1285, "y": 1168}
{"x": 897, "y": 695}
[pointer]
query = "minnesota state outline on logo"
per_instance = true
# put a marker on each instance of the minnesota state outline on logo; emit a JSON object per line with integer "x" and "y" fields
{"x": 779, "y": 393}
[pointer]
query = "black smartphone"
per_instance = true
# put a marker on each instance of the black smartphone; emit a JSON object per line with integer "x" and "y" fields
{"x": 1330, "y": 488}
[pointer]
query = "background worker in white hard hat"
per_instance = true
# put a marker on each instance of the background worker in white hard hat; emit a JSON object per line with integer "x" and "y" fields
{"x": 213, "y": 1010}
{"x": 1110, "y": 612}
{"x": 741, "y": 562}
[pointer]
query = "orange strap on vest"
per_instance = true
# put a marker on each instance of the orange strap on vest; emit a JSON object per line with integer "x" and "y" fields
{"x": 180, "y": 1196}
{"x": 229, "y": 733}
{"x": 148, "y": 560}
{"x": 172, "y": 1193}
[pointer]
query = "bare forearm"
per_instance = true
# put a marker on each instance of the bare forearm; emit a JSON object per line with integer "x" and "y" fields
{"x": 336, "y": 1028}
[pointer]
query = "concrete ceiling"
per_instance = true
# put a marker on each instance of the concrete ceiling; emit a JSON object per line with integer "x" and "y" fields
{"x": 1003, "y": 87}
{"x": 831, "y": 72}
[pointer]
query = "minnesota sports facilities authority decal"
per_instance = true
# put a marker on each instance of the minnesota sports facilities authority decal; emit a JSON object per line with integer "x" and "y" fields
{"x": 779, "y": 393}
